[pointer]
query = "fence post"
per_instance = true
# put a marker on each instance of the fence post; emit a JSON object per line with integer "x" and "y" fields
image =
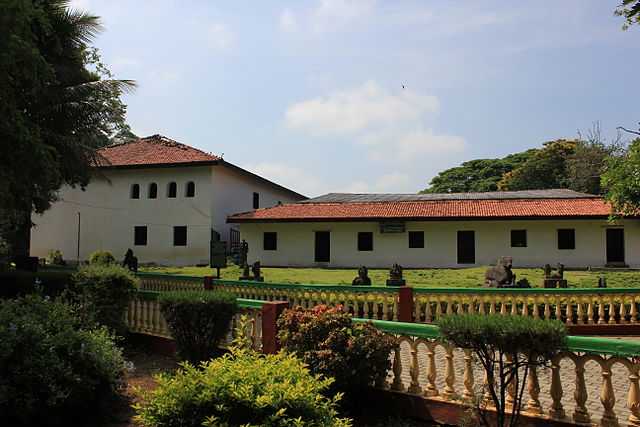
{"x": 271, "y": 310}
{"x": 405, "y": 304}
{"x": 208, "y": 283}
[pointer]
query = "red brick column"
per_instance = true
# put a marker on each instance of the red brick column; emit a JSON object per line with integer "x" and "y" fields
{"x": 208, "y": 283}
{"x": 405, "y": 304}
{"x": 270, "y": 312}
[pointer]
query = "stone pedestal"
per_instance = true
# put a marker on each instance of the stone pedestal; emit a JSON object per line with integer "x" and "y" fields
{"x": 396, "y": 282}
{"x": 555, "y": 283}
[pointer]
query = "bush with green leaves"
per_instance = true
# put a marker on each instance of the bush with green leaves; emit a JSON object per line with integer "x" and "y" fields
{"x": 52, "y": 370}
{"x": 356, "y": 355}
{"x": 102, "y": 257}
{"x": 198, "y": 320}
{"x": 54, "y": 257}
{"x": 506, "y": 347}
{"x": 103, "y": 292}
{"x": 242, "y": 388}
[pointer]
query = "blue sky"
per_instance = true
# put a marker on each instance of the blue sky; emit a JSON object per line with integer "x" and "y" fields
{"x": 309, "y": 93}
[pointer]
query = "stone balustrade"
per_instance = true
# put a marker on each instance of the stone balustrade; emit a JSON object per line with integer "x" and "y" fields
{"x": 594, "y": 380}
{"x": 166, "y": 282}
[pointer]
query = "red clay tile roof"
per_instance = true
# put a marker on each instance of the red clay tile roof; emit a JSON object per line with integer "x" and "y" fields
{"x": 152, "y": 150}
{"x": 589, "y": 207}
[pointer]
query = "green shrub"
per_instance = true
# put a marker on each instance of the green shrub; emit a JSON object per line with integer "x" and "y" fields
{"x": 505, "y": 345}
{"x": 198, "y": 320}
{"x": 103, "y": 292}
{"x": 101, "y": 257}
{"x": 19, "y": 283}
{"x": 356, "y": 355}
{"x": 52, "y": 371}
{"x": 54, "y": 257}
{"x": 240, "y": 389}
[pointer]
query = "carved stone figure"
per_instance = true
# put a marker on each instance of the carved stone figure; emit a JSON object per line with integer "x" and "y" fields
{"x": 244, "y": 251}
{"x": 130, "y": 261}
{"x": 255, "y": 269}
{"x": 246, "y": 273}
{"x": 363, "y": 277}
{"x": 500, "y": 275}
{"x": 395, "y": 276}
{"x": 554, "y": 278}
{"x": 602, "y": 282}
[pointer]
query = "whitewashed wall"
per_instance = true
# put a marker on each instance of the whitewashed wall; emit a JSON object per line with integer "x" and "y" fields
{"x": 492, "y": 238}
{"x": 108, "y": 216}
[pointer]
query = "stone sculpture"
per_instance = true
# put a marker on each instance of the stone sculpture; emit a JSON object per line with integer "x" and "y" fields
{"x": 395, "y": 276}
{"x": 501, "y": 275}
{"x": 244, "y": 251}
{"x": 255, "y": 269}
{"x": 363, "y": 277}
{"x": 554, "y": 278}
{"x": 130, "y": 261}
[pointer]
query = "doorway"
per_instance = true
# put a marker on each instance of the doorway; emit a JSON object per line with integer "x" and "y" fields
{"x": 466, "y": 247}
{"x": 323, "y": 246}
{"x": 615, "y": 246}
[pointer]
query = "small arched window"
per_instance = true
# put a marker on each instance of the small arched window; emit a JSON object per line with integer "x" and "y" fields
{"x": 172, "y": 190}
{"x": 153, "y": 190}
{"x": 191, "y": 189}
{"x": 135, "y": 191}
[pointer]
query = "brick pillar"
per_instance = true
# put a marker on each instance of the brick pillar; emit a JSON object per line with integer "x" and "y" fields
{"x": 405, "y": 304}
{"x": 208, "y": 283}
{"x": 270, "y": 312}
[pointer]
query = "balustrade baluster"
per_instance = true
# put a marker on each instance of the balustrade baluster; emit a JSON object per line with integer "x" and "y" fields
{"x": 492, "y": 306}
{"x": 481, "y": 307}
{"x": 503, "y": 306}
{"x": 431, "y": 389}
{"x": 590, "y": 312}
{"x": 547, "y": 309}
{"x": 633, "y": 398}
{"x": 438, "y": 314}
{"x": 570, "y": 311}
{"x": 580, "y": 314}
{"x": 449, "y": 374}
{"x": 533, "y": 387}
{"x": 427, "y": 311}
{"x": 556, "y": 411}
{"x": 607, "y": 397}
{"x": 536, "y": 308}
{"x": 365, "y": 308}
{"x": 558, "y": 313}
{"x": 414, "y": 386}
{"x": 449, "y": 306}
{"x": 633, "y": 313}
{"x": 417, "y": 310}
{"x": 612, "y": 311}
{"x": 601, "y": 320}
{"x": 623, "y": 311}
{"x": 395, "y": 308}
{"x": 397, "y": 371}
{"x": 525, "y": 307}
{"x": 468, "y": 395}
{"x": 581, "y": 413}
{"x": 385, "y": 309}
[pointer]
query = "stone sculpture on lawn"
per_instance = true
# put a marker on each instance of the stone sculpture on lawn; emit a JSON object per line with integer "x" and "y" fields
{"x": 500, "y": 276}
{"x": 395, "y": 276}
{"x": 363, "y": 277}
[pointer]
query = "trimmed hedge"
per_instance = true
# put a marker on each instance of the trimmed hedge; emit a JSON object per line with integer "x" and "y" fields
{"x": 52, "y": 370}
{"x": 102, "y": 257}
{"x": 240, "y": 389}
{"x": 198, "y": 320}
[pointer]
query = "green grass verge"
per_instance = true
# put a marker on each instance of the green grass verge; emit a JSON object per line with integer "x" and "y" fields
{"x": 436, "y": 278}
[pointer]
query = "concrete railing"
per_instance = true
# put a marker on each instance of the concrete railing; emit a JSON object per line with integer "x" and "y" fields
{"x": 166, "y": 282}
{"x": 594, "y": 380}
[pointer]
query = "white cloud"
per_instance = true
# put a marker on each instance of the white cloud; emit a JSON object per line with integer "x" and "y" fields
{"x": 290, "y": 177}
{"x": 79, "y": 4}
{"x": 410, "y": 145}
{"x": 394, "y": 182}
{"x": 357, "y": 109}
{"x": 219, "y": 37}
{"x": 288, "y": 21}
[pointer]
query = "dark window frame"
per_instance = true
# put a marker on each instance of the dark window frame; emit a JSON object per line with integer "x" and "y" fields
{"x": 270, "y": 241}
{"x": 365, "y": 241}
{"x": 256, "y": 200}
{"x": 178, "y": 239}
{"x": 153, "y": 191}
{"x": 566, "y": 239}
{"x": 172, "y": 190}
{"x": 519, "y": 238}
{"x": 139, "y": 236}
{"x": 135, "y": 191}
{"x": 190, "y": 189}
{"x": 413, "y": 243}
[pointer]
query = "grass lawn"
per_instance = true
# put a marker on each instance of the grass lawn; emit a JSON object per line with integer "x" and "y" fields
{"x": 438, "y": 278}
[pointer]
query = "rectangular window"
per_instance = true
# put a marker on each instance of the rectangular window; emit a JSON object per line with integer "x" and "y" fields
{"x": 416, "y": 239}
{"x": 140, "y": 235}
{"x": 180, "y": 235}
{"x": 518, "y": 238}
{"x": 365, "y": 241}
{"x": 566, "y": 238}
{"x": 270, "y": 241}
{"x": 256, "y": 201}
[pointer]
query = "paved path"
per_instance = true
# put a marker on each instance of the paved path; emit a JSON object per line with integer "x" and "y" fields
{"x": 593, "y": 379}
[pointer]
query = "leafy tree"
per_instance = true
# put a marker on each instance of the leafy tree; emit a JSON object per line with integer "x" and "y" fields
{"x": 630, "y": 10}
{"x": 544, "y": 170}
{"x": 59, "y": 104}
{"x": 476, "y": 175}
{"x": 621, "y": 180}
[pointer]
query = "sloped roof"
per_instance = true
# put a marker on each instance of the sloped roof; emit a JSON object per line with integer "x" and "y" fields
{"x": 152, "y": 150}
{"x": 556, "y": 204}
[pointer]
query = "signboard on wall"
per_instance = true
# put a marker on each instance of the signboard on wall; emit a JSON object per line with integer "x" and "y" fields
{"x": 392, "y": 227}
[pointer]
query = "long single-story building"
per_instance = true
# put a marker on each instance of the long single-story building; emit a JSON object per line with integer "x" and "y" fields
{"x": 165, "y": 200}
{"x": 441, "y": 230}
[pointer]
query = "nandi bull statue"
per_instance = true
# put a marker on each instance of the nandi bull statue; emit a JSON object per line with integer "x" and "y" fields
{"x": 501, "y": 275}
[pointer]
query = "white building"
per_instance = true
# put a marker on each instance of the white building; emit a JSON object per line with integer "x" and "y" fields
{"x": 156, "y": 196}
{"x": 441, "y": 230}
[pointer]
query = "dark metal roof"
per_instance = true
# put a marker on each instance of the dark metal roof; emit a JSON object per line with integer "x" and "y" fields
{"x": 494, "y": 195}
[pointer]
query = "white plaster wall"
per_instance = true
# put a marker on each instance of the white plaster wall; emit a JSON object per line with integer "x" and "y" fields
{"x": 108, "y": 216}
{"x": 233, "y": 193}
{"x": 492, "y": 238}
